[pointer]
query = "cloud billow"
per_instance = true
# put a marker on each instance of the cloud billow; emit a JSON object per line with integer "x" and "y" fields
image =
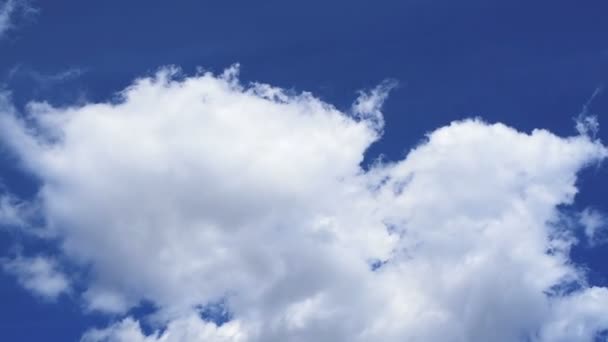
{"x": 193, "y": 191}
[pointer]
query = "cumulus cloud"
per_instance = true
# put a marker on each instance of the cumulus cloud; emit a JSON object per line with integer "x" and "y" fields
{"x": 39, "y": 274}
{"x": 193, "y": 191}
{"x": 188, "y": 328}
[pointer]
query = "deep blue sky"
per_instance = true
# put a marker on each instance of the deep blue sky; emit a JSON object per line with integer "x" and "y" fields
{"x": 528, "y": 64}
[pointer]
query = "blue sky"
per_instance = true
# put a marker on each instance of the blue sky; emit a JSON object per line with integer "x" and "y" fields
{"x": 525, "y": 64}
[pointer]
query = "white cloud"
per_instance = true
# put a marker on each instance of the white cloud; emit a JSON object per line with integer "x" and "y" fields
{"x": 8, "y": 9}
{"x": 188, "y": 328}
{"x": 594, "y": 225}
{"x": 12, "y": 212}
{"x": 105, "y": 300}
{"x": 586, "y": 122}
{"x": 42, "y": 79}
{"x": 38, "y": 274}
{"x": 368, "y": 105}
{"x": 201, "y": 190}
{"x": 18, "y": 216}
{"x": 587, "y": 125}
{"x": 579, "y": 317}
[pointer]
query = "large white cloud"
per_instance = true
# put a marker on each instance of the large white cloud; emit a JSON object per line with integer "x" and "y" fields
{"x": 198, "y": 190}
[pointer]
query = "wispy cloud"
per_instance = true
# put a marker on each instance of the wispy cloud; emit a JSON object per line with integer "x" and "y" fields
{"x": 587, "y": 122}
{"x": 594, "y": 224}
{"x": 9, "y": 9}
{"x": 6, "y": 10}
{"x": 39, "y": 274}
{"x": 44, "y": 79}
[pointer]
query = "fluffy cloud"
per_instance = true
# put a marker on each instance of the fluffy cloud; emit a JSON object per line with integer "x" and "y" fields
{"x": 193, "y": 191}
{"x": 594, "y": 224}
{"x": 188, "y": 328}
{"x": 39, "y": 274}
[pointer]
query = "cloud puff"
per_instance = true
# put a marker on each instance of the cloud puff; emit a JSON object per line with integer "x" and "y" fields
{"x": 38, "y": 274}
{"x": 594, "y": 224}
{"x": 193, "y": 191}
